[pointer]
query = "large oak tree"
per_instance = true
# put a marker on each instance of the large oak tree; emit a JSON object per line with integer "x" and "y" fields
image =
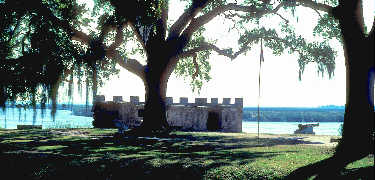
{"x": 38, "y": 47}
{"x": 180, "y": 46}
{"x": 167, "y": 46}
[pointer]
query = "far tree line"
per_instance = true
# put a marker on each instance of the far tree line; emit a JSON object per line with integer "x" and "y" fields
{"x": 294, "y": 115}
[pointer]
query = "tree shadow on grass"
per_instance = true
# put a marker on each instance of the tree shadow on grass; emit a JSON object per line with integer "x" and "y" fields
{"x": 358, "y": 173}
{"x": 42, "y": 155}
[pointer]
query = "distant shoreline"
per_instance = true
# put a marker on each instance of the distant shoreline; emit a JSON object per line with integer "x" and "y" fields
{"x": 305, "y": 122}
{"x": 250, "y": 114}
{"x": 293, "y": 114}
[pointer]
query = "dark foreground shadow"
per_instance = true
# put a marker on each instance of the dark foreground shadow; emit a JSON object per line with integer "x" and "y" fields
{"x": 40, "y": 154}
{"x": 66, "y": 154}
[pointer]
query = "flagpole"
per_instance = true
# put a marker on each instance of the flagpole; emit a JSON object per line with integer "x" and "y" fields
{"x": 261, "y": 58}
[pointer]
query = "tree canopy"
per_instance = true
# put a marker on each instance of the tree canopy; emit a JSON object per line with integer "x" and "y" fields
{"x": 45, "y": 43}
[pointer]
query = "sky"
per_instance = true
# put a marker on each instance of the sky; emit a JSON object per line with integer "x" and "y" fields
{"x": 280, "y": 86}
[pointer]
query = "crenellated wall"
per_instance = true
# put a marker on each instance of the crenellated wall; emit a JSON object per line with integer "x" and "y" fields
{"x": 197, "y": 116}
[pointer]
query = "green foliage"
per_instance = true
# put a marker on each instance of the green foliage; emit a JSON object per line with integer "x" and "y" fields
{"x": 328, "y": 28}
{"x": 144, "y": 15}
{"x": 186, "y": 68}
{"x": 38, "y": 54}
{"x": 319, "y": 52}
{"x": 31, "y": 32}
{"x": 279, "y": 40}
{"x": 37, "y": 47}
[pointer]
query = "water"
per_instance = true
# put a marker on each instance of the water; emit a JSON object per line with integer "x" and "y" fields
{"x": 63, "y": 119}
{"x": 324, "y": 128}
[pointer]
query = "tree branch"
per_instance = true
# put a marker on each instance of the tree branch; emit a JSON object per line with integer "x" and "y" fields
{"x": 282, "y": 17}
{"x": 81, "y": 37}
{"x": 196, "y": 66}
{"x": 139, "y": 38}
{"x": 164, "y": 19}
{"x": 22, "y": 41}
{"x": 371, "y": 33}
{"x": 208, "y": 46}
{"x": 255, "y": 12}
{"x": 318, "y": 13}
{"x": 201, "y": 20}
{"x": 108, "y": 25}
{"x": 105, "y": 30}
{"x": 24, "y": 38}
{"x": 314, "y": 5}
{"x": 131, "y": 65}
{"x": 228, "y": 53}
{"x": 19, "y": 19}
{"x": 185, "y": 18}
{"x": 119, "y": 38}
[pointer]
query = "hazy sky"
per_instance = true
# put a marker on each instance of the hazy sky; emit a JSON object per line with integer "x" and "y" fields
{"x": 280, "y": 86}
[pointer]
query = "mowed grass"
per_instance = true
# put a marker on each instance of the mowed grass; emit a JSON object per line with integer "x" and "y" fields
{"x": 96, "y": 154}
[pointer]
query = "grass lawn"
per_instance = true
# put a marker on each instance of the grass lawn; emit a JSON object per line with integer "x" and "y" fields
{"x": 94, "y": 154}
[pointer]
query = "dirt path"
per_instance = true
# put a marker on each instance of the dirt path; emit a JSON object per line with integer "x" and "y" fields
{"x": 315, "y": 140}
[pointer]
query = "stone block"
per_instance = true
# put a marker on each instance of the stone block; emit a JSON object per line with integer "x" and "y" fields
{"x": 200, "y": 101}
{"x": 184, "y": 100}
{"x": 226, "y": 101}
{"x": 99, "y": 98}
{"x": 168, "y": 101}
{"x": 214, "y": 101}
{"x": 134, "y": 99}
{"x": 231, "y": 119}
{"x": 117, "y": 98}
{"x": 238, "y": 102}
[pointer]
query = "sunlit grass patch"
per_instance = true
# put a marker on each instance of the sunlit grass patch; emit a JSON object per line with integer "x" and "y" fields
{"x": 17, "y": 141}
{"x": 363, "y": 162}
{"x": 61, "y": 138}
{"x": 97, "y": 131}
{"x": 160, "y": 162}
{"x": 114, "y": 148}
{"x": 49, "y": 148}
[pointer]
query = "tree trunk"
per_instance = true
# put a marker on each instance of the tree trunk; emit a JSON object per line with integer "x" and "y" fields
{"x": 156, "y": 80}
{"x": 358, "y": 130}
{"x": 94, "y": 83}
{"x": 359, "y": 113}
{"x": 357, "y": 138}
{"x": 359, "y": 108}
{"x": 154, "y": 111}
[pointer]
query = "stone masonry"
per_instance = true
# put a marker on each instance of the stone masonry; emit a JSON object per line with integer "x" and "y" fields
{"x": 197, "y": 116}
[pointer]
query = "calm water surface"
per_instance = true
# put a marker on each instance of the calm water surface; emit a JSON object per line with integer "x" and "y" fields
{"x": 64, "y": 119}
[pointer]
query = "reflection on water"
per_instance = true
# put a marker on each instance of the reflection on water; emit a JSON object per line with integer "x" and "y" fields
{"x": 11, "y": 117}
{"x": 324, "y": 128}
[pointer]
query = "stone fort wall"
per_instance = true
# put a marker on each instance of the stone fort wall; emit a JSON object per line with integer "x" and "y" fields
{"x": 184, "y": 115}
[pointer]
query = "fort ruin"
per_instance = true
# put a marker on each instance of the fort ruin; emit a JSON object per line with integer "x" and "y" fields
{"x": 186, "y": 116}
